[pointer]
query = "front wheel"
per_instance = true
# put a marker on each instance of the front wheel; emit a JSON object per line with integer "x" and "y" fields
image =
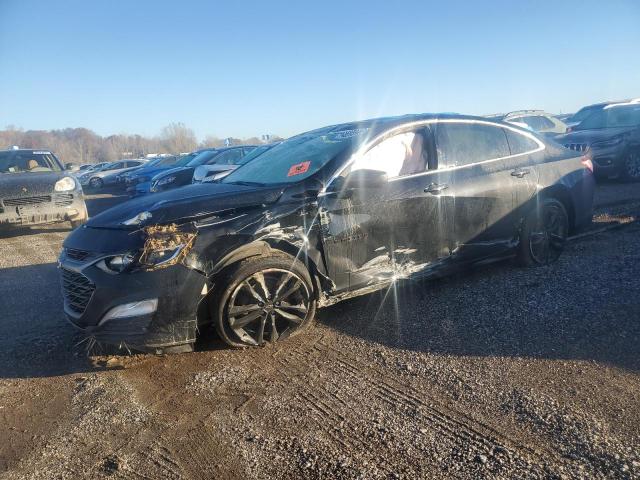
{"x": 264, "y": 299}
{"x": 544, "y": 233}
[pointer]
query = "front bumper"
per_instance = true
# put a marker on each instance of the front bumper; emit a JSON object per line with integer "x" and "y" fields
{"x": 178, "y": 290}
{"x": 53, "y": 208}
{"x": 90, "y": 293}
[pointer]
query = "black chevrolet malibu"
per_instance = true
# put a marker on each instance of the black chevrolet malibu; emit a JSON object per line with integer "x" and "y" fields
{"x": 326, "y": 215}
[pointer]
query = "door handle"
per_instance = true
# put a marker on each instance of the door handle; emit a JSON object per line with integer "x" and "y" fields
{"x": 520, "y": 172}
{"x": 435, "y": 188}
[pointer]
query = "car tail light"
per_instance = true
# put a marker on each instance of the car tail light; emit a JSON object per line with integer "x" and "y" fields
{"x": 586, "y": 161}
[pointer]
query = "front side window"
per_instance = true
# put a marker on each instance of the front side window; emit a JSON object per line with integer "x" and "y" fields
{"x": 519, "y": 144}
{"x": 402, "y": 154}
{"x": 460, "y": 144}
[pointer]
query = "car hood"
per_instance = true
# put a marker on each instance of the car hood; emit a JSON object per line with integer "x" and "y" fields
{"x": 170, "y": 171}
{"x": 186, "y": 203}
{"x": 16, "y": 185}
{"x": 149, "y": 172}
{"x": 591, "y": 136}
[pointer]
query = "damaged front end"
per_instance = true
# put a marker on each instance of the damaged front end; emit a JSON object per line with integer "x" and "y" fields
{"x": 125, "y": 294}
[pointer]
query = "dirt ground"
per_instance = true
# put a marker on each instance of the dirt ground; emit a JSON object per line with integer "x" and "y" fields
{"x": 499, "y": 373}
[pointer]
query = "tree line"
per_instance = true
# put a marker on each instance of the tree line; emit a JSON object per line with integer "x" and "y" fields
{"x": 81, "y": 145}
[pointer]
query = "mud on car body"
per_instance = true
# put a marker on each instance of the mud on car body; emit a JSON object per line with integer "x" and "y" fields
{"x": 35, "y": 189}
{"x": 326, "y": 215}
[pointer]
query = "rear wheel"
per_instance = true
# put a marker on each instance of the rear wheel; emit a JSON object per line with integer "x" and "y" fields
{"x": 631, "y": 166}
{"x": 544, "y": 233}
{"x": 264, "y": 299}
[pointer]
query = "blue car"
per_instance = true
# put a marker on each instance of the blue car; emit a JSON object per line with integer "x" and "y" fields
{"x": 144, "y": 175}
{"x": 181, "y": 175}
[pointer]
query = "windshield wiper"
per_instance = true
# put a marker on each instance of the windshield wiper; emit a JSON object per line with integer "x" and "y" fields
{"x": 248, "y": 184}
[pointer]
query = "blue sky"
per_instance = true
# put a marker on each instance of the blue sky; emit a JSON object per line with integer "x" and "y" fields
{"x": 242, "y": 68}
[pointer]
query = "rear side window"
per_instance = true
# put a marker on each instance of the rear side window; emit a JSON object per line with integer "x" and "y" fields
{"x": 460, "y": 144}
{"x": 537, "y": 122}
{"x": 519, "y": 143}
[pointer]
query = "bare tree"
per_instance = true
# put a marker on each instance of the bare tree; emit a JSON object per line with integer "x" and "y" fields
{"x": 177, "y": 138}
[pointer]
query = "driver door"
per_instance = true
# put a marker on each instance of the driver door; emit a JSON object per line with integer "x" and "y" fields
{"x": 383, "y": 217}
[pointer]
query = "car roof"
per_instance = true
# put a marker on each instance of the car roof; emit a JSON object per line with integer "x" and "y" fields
{"x": 27, "y": 150}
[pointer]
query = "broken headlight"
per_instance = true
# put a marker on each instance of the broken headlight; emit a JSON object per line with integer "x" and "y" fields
{"x": 166, "y": 245}
{"x": 116, "y": 264}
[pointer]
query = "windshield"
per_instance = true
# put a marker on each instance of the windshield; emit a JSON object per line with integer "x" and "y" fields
{"x": 612, "y": 118}
{"x": 256, "y": 152}
{"x": 201, "y": 158}
{"x": 28, "y": 162}
{"x": 583, "y": 113}
{"x": 298, "y": 157}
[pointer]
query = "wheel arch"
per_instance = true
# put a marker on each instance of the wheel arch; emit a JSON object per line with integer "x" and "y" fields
{"x": 561, "y": 193}
{"x": 268, "y": 246}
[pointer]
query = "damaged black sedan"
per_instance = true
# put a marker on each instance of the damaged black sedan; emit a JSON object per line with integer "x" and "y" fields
{"x": 326, "y": 215}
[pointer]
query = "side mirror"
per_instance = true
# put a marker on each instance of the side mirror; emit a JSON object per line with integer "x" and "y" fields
{"x": 69, "y": 166}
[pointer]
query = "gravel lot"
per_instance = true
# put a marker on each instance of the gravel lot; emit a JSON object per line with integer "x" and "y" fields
{"x": 499, "y": 373}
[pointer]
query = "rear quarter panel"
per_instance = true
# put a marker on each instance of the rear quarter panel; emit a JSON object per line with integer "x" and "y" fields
{"x": 562, "y": 174}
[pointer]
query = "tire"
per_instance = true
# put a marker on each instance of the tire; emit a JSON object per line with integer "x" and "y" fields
{"x": 544, "y": 233}
{"x": 631, "y": 166}
{"x": 289, "y": 304}
{"x": 96, "y": 182}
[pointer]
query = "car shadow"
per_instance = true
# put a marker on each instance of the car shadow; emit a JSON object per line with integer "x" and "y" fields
{"x": 36, "y": 339}
{"x": 500, "y": 310}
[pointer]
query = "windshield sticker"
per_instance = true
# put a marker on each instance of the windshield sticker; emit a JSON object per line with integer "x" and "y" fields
{"x": 299, "y": 168}
{"x": 344, "y": 134}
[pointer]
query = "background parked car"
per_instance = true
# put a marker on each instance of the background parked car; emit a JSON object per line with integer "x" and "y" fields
{"x": 324, "y": 216}
{"x": 612, "y": 136}
{"x": 35, "y": 189}
{"x": 584, "y": 112}
{"x": 537, "y": 120}
{"x": 105, "y": 175}
{"x": 138, "y": 182}
{"x": 223, "y": 158}
{"x": 217, "y": 171}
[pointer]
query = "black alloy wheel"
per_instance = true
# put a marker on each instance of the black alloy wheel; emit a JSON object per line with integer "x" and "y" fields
{"x": 267, "y": 299}
{"x": 544, "y": 234}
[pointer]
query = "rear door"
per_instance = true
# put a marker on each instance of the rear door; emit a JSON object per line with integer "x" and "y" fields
{"x": 481, "y": 187}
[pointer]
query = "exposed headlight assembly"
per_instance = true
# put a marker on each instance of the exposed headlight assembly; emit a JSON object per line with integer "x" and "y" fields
{"x": 166, "y": 245}
{"x": 65, "y": 184}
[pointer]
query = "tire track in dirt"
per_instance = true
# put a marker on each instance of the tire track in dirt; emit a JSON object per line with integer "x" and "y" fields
{"x": 444, "y": 421}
